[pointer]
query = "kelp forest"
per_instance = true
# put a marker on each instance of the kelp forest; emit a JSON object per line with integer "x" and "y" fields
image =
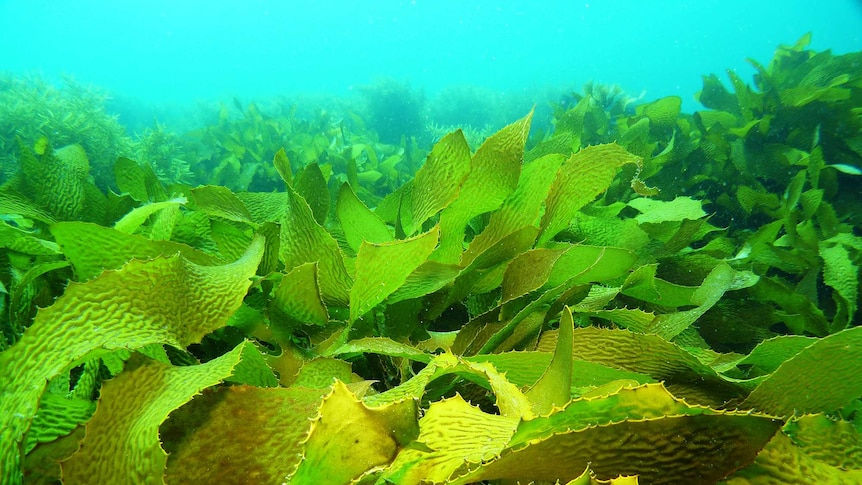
{"x": 600, "y": 290}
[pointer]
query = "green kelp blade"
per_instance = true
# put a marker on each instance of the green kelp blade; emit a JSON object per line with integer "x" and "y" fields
{"x": 122, "y": 443}
{"x": 822, "y": 377}
{"x": 715, "y": 96}
{"x": 651, "y": 355}
{"x": 721, "y": 279}
{"x": 426, "y": 279}
{"x": 352, "y": 172}
{"x": 382, "y": 346}
{"x": 348, "y": 438}
{"x": 509, "y": 399}
{"x": 524, "y": 369}
{"x": 481, "y": 342}
{"x": 230, "y": 238}
{"x": 23, "y": 241}
{"x": 11, "y": 203}
{"x": 130, "y": 179}
{"x": 801, "y": 315}
{"x": 768, "y": 355}
{"x": 264, "y": 206}
{"x": 404, "y": 223}
{"x": 141, "y": 183}
{"x": 139, "y": 215}
{"x": 749, "y": 101}
{"x": 218, "y": 201}
{"x": 633, "y": 319}
{"x": 750, "y": 198}
{"x": 42, "y": 465}
{"x": 781, "y": 461}
{"x": 573, "y": 122}
{"x": 56, "y": 179}
{"x": 598, "y": 297}
{"x": 194, "y": 228}
{"x": 116, "y": 206}
{"x": 811, "y": 199}
{"x": 392, "y": 209}
{"x": 618, "y": 432}
{"x": 461, "y": 444}
{"x": 164, "y": 222}
{"x": 643, "y": 284}
{"x": 842, "y": 275}
{"x": 830, "y": 440}
{"x": 561, "y": 143}
{"x": 168, "y": 300}
{"x": 22, "y": 295}
{"x": 654, "y": 211}
{"x": 382, "y": 268}
{"x": 528, "y": 271}
{"x": 439, "y": 180}
{"x": 297, "y": 297}
{"x": 636, "y": 138}
{"x": 358, "y": 222}
{"x": 581, "y": 178}
{"x": 282, "y": 165}
{"x": 322, "y": 372}
{"x": 662, "y": 113}
{"x": 485, "y": 273}
{"x": 269, "y": 263}
{"x": 414, "y": 387}
{"x": 92, "y": 248}
{"x": 452, "y": 432}
{"x": 239, "y": 432}
{"x": 802, "y": 95}
{"x": 521, "y": 209}
{"x": 311, "y": 185}
{"x": 642, "y": 431}
{"x": 553, "y": 389}
{"x": 607, "y": 230}
{"x": 649, "y": 401}
{"x": 303, "y": 240}
{"x": 846, "y": 168}
{"x": 58, "y": 416}
{"x": 494, "y": 172}
{"x": 581, "y": 263}
{"x": 368, "y": 177}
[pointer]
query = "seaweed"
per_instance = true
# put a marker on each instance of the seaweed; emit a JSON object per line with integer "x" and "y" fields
{"x": 68, "y": 113}
{"x": 637, "y": 294}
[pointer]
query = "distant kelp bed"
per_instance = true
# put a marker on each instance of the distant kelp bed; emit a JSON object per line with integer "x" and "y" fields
{"x": 630, "y": 295}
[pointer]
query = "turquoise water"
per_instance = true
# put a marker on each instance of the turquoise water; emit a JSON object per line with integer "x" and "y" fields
{"x": 168, "y": 51}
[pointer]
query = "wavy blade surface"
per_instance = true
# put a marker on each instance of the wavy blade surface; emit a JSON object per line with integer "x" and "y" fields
{"x": 163, "y": 301}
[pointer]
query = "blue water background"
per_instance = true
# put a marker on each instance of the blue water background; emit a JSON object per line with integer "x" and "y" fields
{"x": 176, "y": 51}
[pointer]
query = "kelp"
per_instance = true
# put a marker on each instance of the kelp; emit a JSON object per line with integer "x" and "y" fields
{"x": 69, "y": 112}
{"x": 122, "y": 440}
{"x": 536, "y": 310}
{"x": 39, "y": 356}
